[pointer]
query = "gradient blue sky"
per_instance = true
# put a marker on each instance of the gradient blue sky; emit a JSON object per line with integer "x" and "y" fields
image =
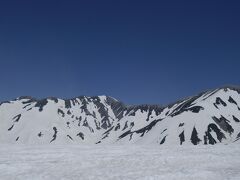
{"x": 136, "y": 51}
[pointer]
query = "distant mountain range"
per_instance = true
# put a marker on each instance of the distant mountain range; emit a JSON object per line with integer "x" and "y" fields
{"x": 210, "y": 117}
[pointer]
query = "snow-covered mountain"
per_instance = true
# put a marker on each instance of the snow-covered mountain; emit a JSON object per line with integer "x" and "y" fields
{"x": 208, "y": 118}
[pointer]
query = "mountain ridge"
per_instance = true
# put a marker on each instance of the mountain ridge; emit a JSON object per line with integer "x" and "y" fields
{"x": 209, "y": 117}
{"x": 233, "y": 87}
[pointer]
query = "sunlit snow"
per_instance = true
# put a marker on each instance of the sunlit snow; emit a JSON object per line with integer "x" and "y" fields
{"x": 18, "y": 162}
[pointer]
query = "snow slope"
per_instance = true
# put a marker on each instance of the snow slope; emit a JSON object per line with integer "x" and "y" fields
{"x": 133, "y": 162}
{"x": 210, "y": 117}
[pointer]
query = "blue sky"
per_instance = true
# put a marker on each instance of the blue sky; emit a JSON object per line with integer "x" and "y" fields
{"x": 136, "y": 51}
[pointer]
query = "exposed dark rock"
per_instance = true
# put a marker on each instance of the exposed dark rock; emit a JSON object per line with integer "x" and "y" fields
{"x": 205, "y": 139}
{"x": 148, "y": 127}
{"x": 102, "y": 111}
{"x": 182, "y": 138}
{"x": 105, "y": 123}
{"x": 195, "y": 109}
{"x": 210, "y": 93}
{"x": 218, "y": 132}
{"x": 60, "y": 112}
{"x": 238, "y": 136}
{"x": 149, "y": 114}
{"x": 145, "y": 108}
{"x": 117, "y": 127}
{"x": 69, "y": 112}
{"x": 125, "y": 134}
{"x": 17, "y": 138}
{"x": 223, "y": 123}
{"x": 70, "y": 137}
{"x": 163, "y": 140}
{"x": 73, "y": 102}
{"x": 236, "y": 119}
{"x": 68, "y": 124}
{"x": 97, "y": 124}
{"x": 107, "y": 132}
{"x": 40, "y": 134}
{"x": 130, "y": 137}
{"x": 54, "y": 135}
{"x": 231, "y": 100}
{"x": 9, "y": 129}
{"x": 232, "y": 87}
{"x": 17, "y": 118}
{"x": 68, "y": 104}
{"x": 41, "y": 103}
{"x": 29, "y": 101}
{"x": 105, "y": 135}
{"x": 5, "y": 102}
{"x": 79, "y": 120}
{"x": 185, "y": 105}
{"x": 132, "y": 113}
{"x": 166, "y": 114}
{"x": 85, "y": 123}
{"x": 181, "y": 125}
{"x": 208, "y": 139}
{"x": 117, "y": 107}
{"x": 132, "y": 124}
{"x": 141, "y": 131}
{"x": 215, "y": 105}
{"x": 125, "y": 126}
{"x": 91, "y": 129}
{"x": 53, "y": 99}
{"x": 194, "y": 137}
{"x": 220, "y": 101}
{"x": 164, "y": 131}
{"x": 26, "y": 106}
{"x": 81, "y": 135}
{"x": 94, "y": 115}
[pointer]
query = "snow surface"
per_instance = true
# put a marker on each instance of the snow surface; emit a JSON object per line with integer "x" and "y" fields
{"x": 25, "y": 162}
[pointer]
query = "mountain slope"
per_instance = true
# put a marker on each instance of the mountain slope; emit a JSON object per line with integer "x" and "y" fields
{"x": 208, "y": 118}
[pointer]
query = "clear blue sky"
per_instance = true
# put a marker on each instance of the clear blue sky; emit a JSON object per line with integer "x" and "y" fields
{"x": 136, "y": 51}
